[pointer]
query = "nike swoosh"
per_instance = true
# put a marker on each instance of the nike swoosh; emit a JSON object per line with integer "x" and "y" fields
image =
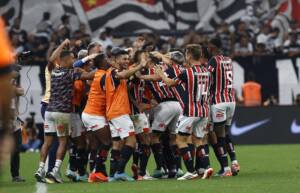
{"x": 244, "y": 129}
{"x": 295, "y": 128}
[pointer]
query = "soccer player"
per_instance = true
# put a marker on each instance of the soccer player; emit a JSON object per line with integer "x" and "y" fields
{"x": 77, "y": 151}
{"x": 6, "y": 59}
{"x": 140, "y": 99}
{"x": 118, "y": 113}
{"x": 57, "y": 116}
{"x": 222, "y": 103}
{"x": 165, "y": 114}
{"x": 196, "y": 111}
{"x": 94, "y": 119}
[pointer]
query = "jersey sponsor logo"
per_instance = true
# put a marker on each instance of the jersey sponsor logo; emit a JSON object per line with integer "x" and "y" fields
{"x": 236, "y": 131}
{"x": 295, "y": 128}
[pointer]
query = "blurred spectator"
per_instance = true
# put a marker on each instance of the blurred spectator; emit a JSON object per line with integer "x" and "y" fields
{"x": 271, "y": 101}
{"x": 292, "y": 45}
{"x": 242, "y": 31}
{"x": 31, "y": 142}
{"x": 294, "y": 28}
{"x": 45, "y": 24}
{"x": 251, "y": 92}
{"x": 65, "y": 27}
{"x": 126, "y": 43}
{"x": 297, "y": 100}
{"x": 18, "y": 33}
{"x": 264, "y": 36}
{"x": 190, "y": 38}
{"x": 105, "y": 38}
{"x": 226, "y": 37}
{"x": 260, "y": 50}
{"x": 275, "y": 41}
{"x": 250, "y": 20}
{"x": 243, "y": 47}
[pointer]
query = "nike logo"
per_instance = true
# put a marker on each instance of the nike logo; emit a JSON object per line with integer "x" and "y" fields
{"x": 295, "y": 128}
{"x": 235, "y": 130}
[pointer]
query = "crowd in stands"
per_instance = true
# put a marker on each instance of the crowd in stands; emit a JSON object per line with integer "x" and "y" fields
{"x": 248, "y": 38}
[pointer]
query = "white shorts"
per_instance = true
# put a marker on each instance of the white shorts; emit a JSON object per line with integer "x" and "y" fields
{"x": 121, "y": 126}
{"x": 166, "y": 115}
{"x": 76, "y": 125}
{"x": 195, "y": 125}
{"x": 223, "y": 112}
{"x": 93, "y": 122}
{"x": 57, "y": 122}
{"x": 141, "y": 123}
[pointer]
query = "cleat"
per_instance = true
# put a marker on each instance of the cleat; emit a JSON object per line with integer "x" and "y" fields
{"x": 207, "y": 173}
{"x": 135, "y": 169}
{"x": 188, "y": 176}
{"x": 18, "y": 179}
{"x": 235, "y": 168}
{"x": 158, "y": 173}
{"x": 179, "y": 173}
{"x": 226, "y": 173}
{"x": 111, "y": 179}
{"x": 97, "y": 177}
{"x": 53, "y": 177}
{"x": 123, "y": 177}
{"x": 83, "y": 178}
{"x": 40, "y": 176}
{"x": 71, "y": 175}
{"x": 145, "y": 177}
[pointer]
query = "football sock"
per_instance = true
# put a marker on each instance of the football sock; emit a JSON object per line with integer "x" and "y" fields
{"x": 177, "y": 156}
{"x": 42, "y": 165}
{"x": 126, "y": 153}
{"x": 222, "y": 152}
{"x": 230, "y": 148}
{"x": 80, "y": 158}
{"x": 157, "y": 152}
{"x": 92, "y": 160}
{"x": 72, "y": 158}
{"x": 192, "y": 150}
{"x": 114, "y": 159}
{"x": 202, "y": 159}
{"x": 169, "y": 159}
{"x": 136, "y": 155}
{"x": 101, "y": 159}
{"x": 215, "y": 148}
{"x": 57, "y": 165}
{"x": 187, "y": 159}
{"x": 145, "y": 154}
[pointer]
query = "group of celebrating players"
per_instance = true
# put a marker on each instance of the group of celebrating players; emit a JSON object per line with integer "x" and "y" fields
{"x": 138, "y": 101}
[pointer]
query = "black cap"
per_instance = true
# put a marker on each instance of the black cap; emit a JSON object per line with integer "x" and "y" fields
{"x": 116, "y": 51}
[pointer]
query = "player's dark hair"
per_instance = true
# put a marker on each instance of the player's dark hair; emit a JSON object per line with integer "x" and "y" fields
{"x": 205, "y": 52}
{"x": 136, "y": 56}
{"x": 98, "y": 60}
{"x": 194, "y": 50}
{"x": 216, "y": 42}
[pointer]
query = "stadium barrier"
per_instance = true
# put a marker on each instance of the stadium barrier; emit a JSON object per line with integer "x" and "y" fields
{"x": 266, "y": 125}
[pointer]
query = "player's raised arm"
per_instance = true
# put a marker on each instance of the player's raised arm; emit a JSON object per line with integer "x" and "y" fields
{"x": 168, "y": 81}
{"x": 58, "y": 50}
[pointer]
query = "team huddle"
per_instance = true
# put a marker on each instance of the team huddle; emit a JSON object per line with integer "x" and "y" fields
{"x": 136, "y": 101}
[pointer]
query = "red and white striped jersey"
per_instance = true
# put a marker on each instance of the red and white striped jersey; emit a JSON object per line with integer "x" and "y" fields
{"x": 222, "y": 79}
{"x": 196, "y": 82}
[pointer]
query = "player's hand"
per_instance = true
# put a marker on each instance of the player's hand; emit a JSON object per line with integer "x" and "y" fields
{"x": 139, "y": 42}
{"x": 92, "y": 56}
{"x": 66, "y": 42}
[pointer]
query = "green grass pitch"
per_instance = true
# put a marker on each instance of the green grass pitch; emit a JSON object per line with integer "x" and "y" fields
{"x": 264, "y": 169}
